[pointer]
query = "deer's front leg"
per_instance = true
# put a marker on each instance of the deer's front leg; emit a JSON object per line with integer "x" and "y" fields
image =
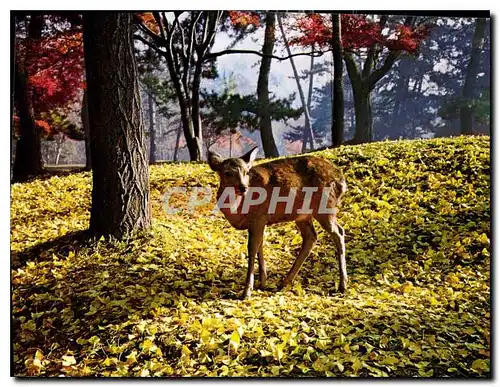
{"x": 255, "y": 236}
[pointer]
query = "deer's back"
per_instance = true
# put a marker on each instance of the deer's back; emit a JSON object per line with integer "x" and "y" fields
{"x": 304, "y": 171}
{"x": 298, "y": 173}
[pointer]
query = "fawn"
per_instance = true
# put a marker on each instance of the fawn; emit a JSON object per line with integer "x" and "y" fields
{"x": 280, "y": 185}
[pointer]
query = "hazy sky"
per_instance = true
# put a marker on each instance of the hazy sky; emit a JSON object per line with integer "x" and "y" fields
{"x": 245, "y": 67}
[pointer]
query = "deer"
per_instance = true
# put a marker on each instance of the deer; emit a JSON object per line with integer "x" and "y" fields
{"x": 305, "y": 179}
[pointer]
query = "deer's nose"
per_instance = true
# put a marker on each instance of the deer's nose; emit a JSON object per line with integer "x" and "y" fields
{"x": 242, "y": 188}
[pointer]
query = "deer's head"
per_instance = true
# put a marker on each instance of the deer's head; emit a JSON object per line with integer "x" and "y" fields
{"x": 233, "y": 172}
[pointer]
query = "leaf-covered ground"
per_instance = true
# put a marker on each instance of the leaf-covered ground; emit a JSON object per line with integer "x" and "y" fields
{"x": 417, "y": 222}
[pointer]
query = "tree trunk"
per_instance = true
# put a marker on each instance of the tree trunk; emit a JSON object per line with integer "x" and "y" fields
{"x": 188, "y": 128}
{"x": 309, "y": 99}
{"x": 401, "y": 91}
{"x": 364, "y": 80}
{"x": 28, "y": 159}
{"x": 120, "y": 191}
{"x": 308, "y": 133}
{"x": 86, "y": 130}
{"x": 177, "y": 141}
{"x": 186, "y": 113}
{"x": 468, "y": 90}
{"x": 58, "y": 141}
{"x": 266, "y": 129}
{"x": 338, "y": 84}
{"x": 195, "y": 109}
{"x": 152, "y": 137}
{"x": 363, "y": 113}
{"x": 189, "y": 107}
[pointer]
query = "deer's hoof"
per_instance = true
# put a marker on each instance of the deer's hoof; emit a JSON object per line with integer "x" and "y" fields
{"x": 342, "y": 288}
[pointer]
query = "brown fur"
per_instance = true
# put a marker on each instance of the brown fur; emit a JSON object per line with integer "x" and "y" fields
{"x": 297, "y": 172}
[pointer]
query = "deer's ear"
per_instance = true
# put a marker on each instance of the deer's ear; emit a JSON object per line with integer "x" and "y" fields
{"x": 249, "y": 158}
{"x": 214, "y": 160}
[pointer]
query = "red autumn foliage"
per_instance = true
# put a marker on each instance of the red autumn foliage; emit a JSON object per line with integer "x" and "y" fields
{"x": 358, "y": 31}
{"x": 313, "y": 29}
{"x": 54, "y": 65}
{"x": 55, "y": 68}
{"x": 408, "y": 39}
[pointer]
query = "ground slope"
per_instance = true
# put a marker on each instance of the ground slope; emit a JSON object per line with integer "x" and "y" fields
{"x": 417, "y": 222}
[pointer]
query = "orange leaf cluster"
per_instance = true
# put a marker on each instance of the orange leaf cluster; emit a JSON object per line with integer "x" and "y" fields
{"x": 43, "y": 125}
{"x": 243, "y": 19}
{"x": 149, "y": 21}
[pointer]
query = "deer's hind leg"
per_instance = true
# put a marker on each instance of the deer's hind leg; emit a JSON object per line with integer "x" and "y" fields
{"x": 330, "y": 224}
{"x": 308, "y": 240}
{"x": 262, "y": 267}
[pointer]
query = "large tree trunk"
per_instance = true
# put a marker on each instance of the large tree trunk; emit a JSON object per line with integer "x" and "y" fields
{"x": 338, "y": 84}
{"x": 120, "y": 191}
{"x": 28, "y": 159}
{"x": 363, "y": 113}
{"x": 266, "y": 129}
{"x": 152, "y": 137}
{"x": 86, "y": 130}
{"x": 308, "y": 133}
{"x": 468, "y": 90}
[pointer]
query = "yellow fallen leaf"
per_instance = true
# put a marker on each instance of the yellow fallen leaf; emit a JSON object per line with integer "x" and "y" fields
{"x": 356, "y": 365}
{"x": 234, "y": 340}
{"x": 480, "y": 365}
{"x": 68, "y": 360}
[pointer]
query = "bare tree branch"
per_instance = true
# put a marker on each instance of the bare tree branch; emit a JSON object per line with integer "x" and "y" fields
{"x": 157, "y": 39}
{"x": 352, "y": 69}
{"x": 206, "y": 23}
{"x": 213, "y": 55}
{"x": 156, "y": 15}
{"x": 215, "y": 23}
{"x": 165, "y": 21}
{"x": 149, "y": 44}
{"x": 410, "y": 20}
{"x": 380, "y": 72}
{"x": 177, "y": 24}
{"x": 373, "y": 51}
